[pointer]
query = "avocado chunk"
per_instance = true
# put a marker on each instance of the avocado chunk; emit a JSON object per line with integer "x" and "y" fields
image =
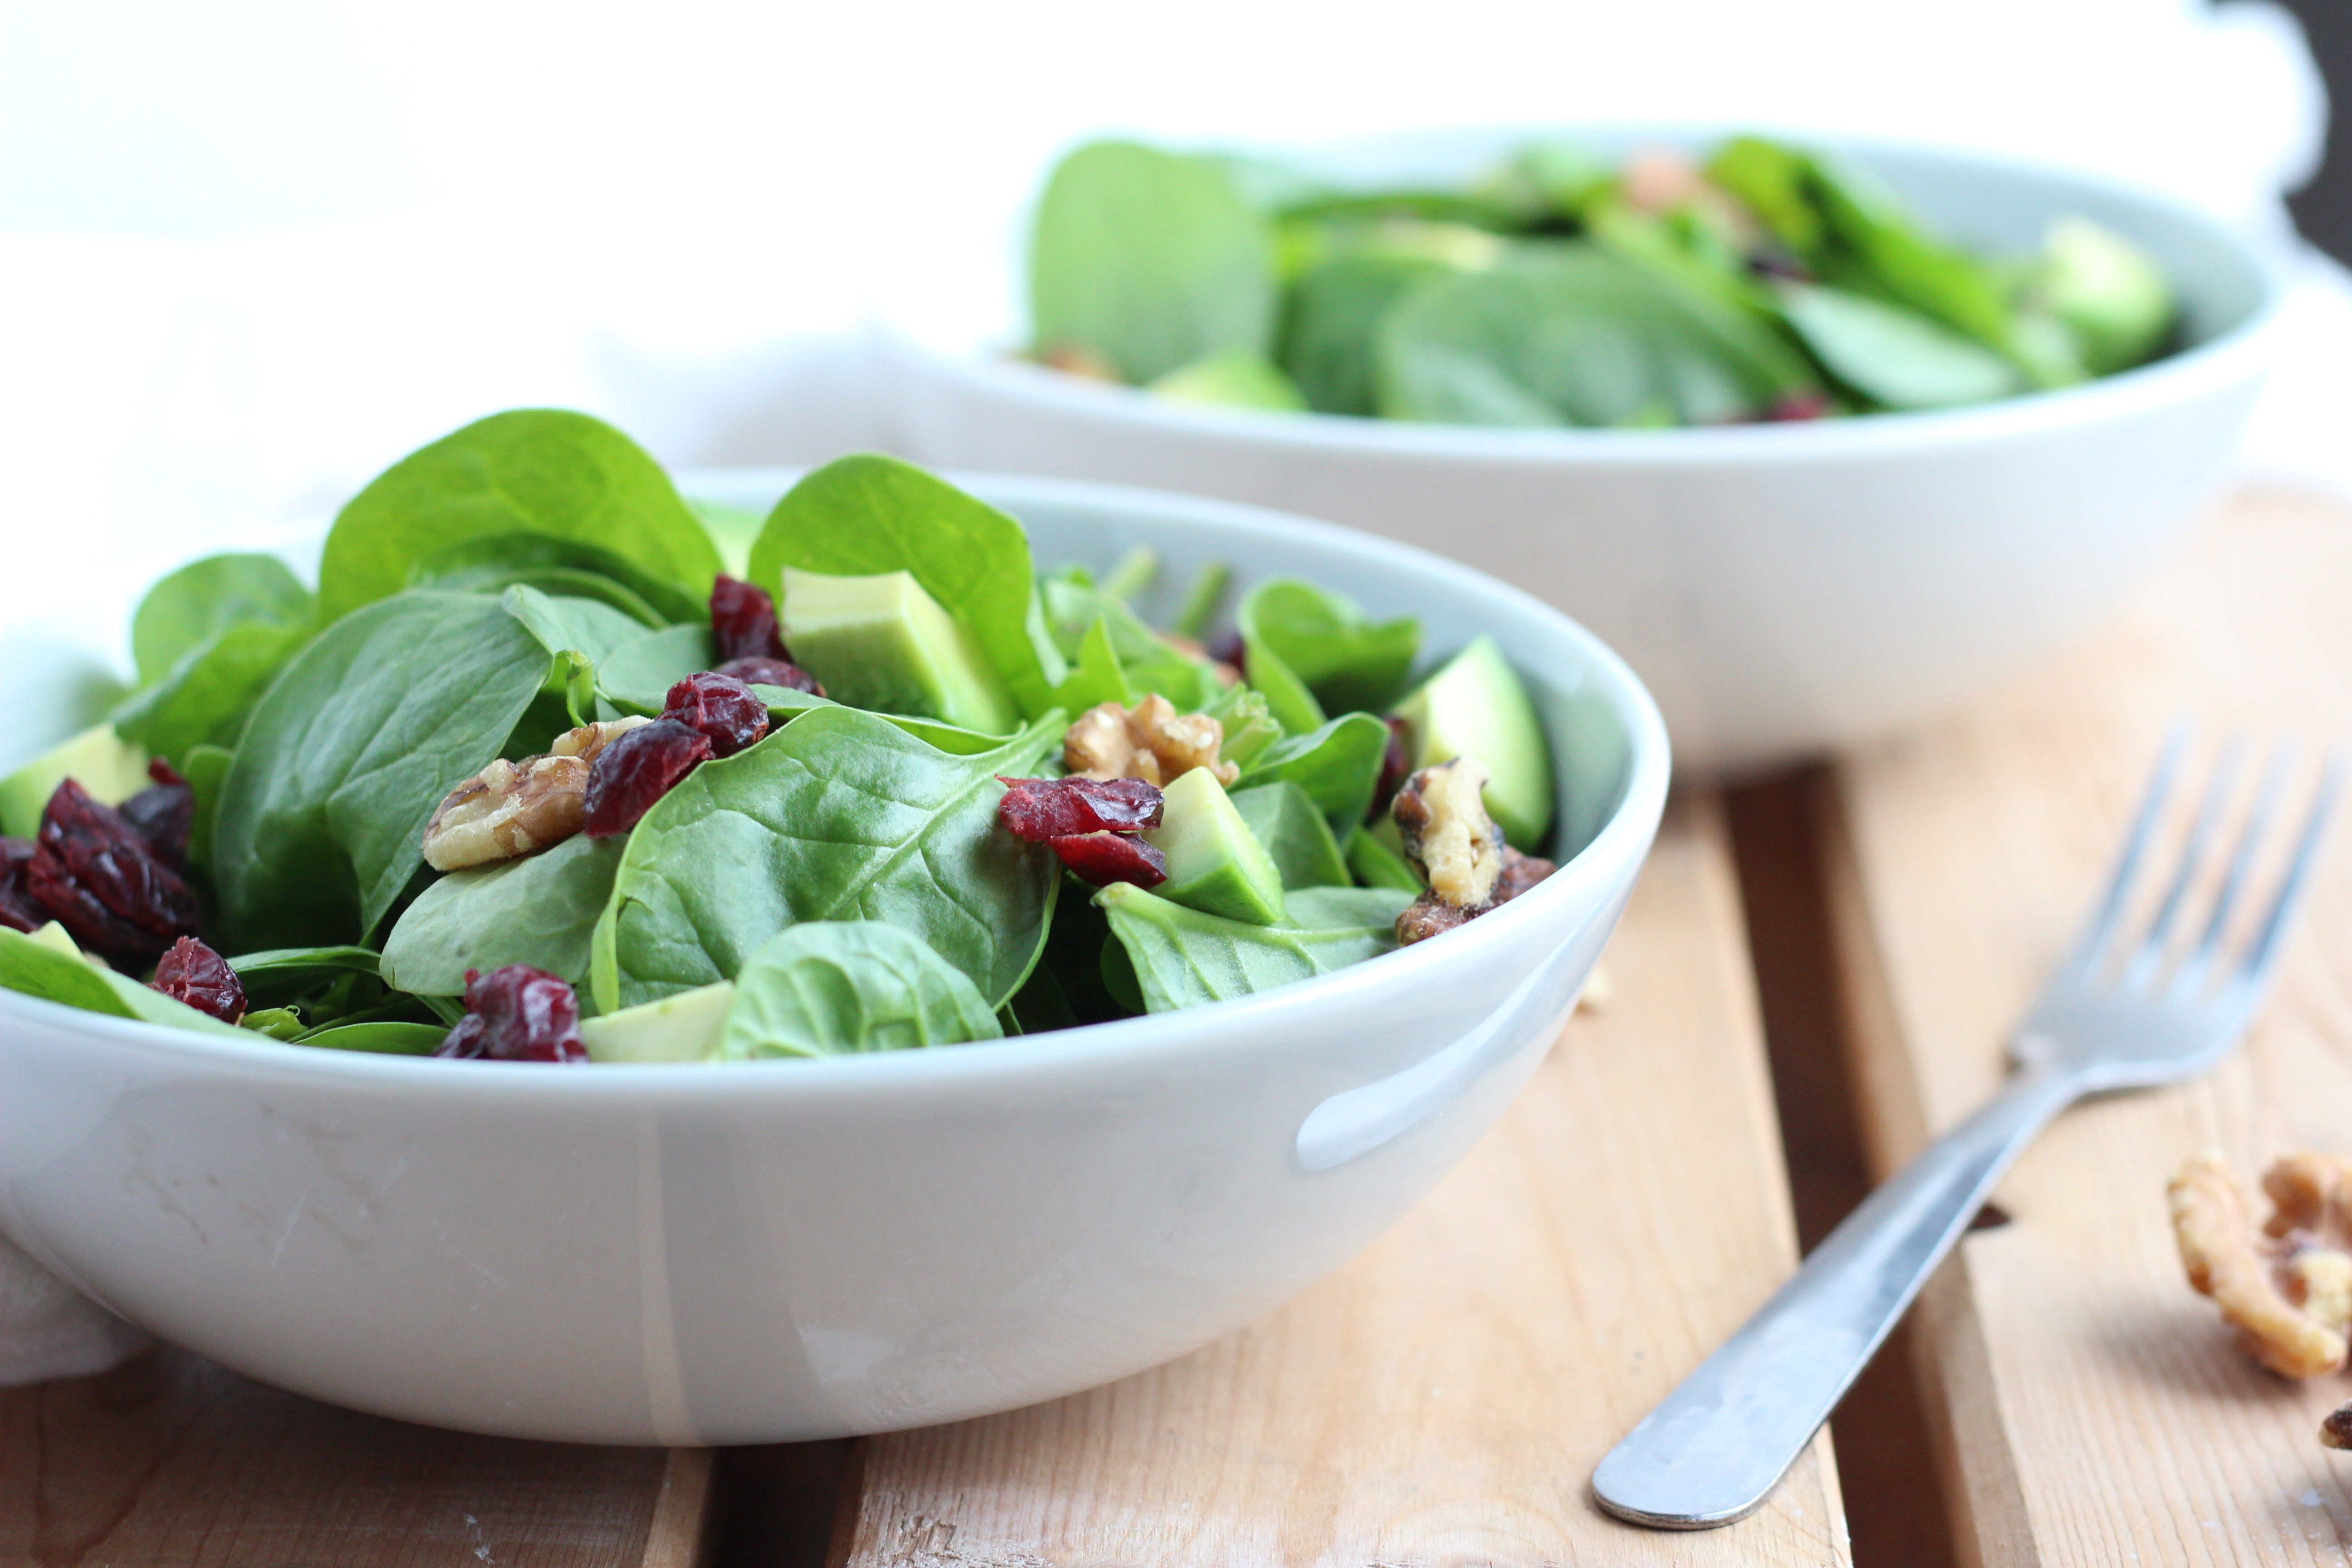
{"x": 111, "y": 768}
{"x": 1475, "y": 706}
{"x": 1215, "y": 863}
{"x": 2108, "y": 290}
{"x": 883, "y": 644}
{"x": 680, "y": 1028}
{"x": 1285, "y": 819}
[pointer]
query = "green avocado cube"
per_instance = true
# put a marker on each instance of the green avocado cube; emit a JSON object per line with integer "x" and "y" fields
{"x": 1284, "y": 817}
{"x": 881, "y": 643}
{"x": 684, "y": 1027}
{"x": 1215, "y": 863}
{"x": 1475, "y": 706}
{"x": 111, "y": 768}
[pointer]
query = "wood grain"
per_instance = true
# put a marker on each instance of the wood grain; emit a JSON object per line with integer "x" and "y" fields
{"x": 1443, "y": 1400}
{"x": 172, "y": 1462}
{"x": 2093, "y": 1411}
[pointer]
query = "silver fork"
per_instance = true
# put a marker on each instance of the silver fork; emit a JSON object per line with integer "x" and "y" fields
{"x": 2118, "y": 1013}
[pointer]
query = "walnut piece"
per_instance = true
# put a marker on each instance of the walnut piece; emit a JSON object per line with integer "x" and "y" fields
{"x": 2288, "y": 1289}
{"x": 1151, "y": 742}
{"x": 1448, "y": 836}
{"x": 1429, "y": 915}
{"x": 511, "y": 809}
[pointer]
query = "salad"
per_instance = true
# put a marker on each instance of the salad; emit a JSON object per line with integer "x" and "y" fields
{"x": 1764, "y": 282}
{"x": 553, "y": 766}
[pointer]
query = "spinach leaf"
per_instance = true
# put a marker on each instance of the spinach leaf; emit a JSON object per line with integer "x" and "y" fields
{"x": 840, "y": 815}
{"x": 384, "y": 1037}
{"x": 825, "y": 988}
{"x": 288, "y": 971}
{"x": 1577, "y": 335}
{"x": 1295, "y": 834}
{"x": 1774, "y": 182}
{"x": 1376, "y": 865}
{"x": 589, "y": 627}
{"x": 1331, "y": 323}
{"x": 1249, "y": 724}
{"x": 530, "y": 470}
{"x": 204, "y": 698}
{"x": 1066, "y": 988}
{"x": 1074, "y": 608}
{"x": 731, "y": 528}
{"x": 195, "y": 605}
{"x": 1882, "y": 249}
{"x": 1348, "y": 660}
{"x": 636, "y": 675}
{"x": 324, "y": 807}
{"x": 1097, "y": 676}
{"x": 493, "y": 563}
{"x": 1151, "y": 259}
{"x": 1337, "y": 765}
{"x": 278, "y": 1023}
{"x": 1184, "y": 958}
{"x": 31, "y": 965}
{"x": 866, "y": 515}
{"x": 206, "y": 769}
{"x": 540, "y": 910}
{"x": 1894, "y": 356}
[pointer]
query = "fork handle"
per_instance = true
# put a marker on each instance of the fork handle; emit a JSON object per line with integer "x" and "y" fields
{"x": 1714, "y": 1448}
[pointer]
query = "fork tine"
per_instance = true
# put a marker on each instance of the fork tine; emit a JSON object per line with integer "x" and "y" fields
{"x": 2199, "y": 964}
{"x": 2149, "y": 955}
{"x": 2109, "y": 913}
{"x": 2262, "y": 958}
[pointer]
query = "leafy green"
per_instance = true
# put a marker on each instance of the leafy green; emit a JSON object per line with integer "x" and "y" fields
{"x": 589, "y": 627}
{"x": 1892, "y": 355}
{"x": 531, "y": 470}
{"x": 840, "y": 815}
{"x": 1284, "y": 819}
{"x": 1184, "y": 958}
{"x": 1249, "y": 724}
{"x": 1147, "y": 661}
{"x": 190, "y": 607}
{"x": 866, "y": 515}
{"x": 1151, "y": 259}
{"x": 1330, "y": 325}
{"x": 540, "y": 910}
{"x": 204, "y": 698}
{"x": 636, "y": 675}
{"x": 323, "y": 809}
{"x": 1577, "y": 335}
{"x": 33, "y": 967}
{"x": 825, "y": 988}
{"x": 206, "y": 769}
{"x": 1347, "y": 659}
{"x": 381, "y": 1036}
{"x": 493, "y": 563}
{"x": 1337, "y": 763}
{"x": 1376, "y": 865}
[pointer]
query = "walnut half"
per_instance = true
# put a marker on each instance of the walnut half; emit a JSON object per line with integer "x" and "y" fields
{"x": 511, "y": 809}
{"x": 2288, "y": 1289}
{"x": 1440, "y": 815}
{"x": 1151, "y": 742}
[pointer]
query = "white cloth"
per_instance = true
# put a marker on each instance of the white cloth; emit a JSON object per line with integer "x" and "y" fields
{"x": 256, "y": 249}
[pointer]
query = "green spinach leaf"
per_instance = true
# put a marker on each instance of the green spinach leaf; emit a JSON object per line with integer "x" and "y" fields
{"x": 493, "y": 563}
{"x": 195, "y": 605}
{"x": 1337, "y": 765}
{"x": 323, "y": 809}
{"x": 206, "y": 769}
{"x": 1152, "y": 259}
{"x": 540, "y": 910}
{"x": 1894, "y": 356}
{"x": 1184, "y": 958}
{"x": 635, "y": 677}
{"x": 1350, "y": 662}
{"x": 825, "y": 988}
{"x": 866, "y": 515}
{"x": 1331, "y": 323}
{"x": 840, "y": 815}
{"x": 1376, "y": 865}
{"x": 1295, "y": 834}
{"x": 204, "y": 698}
{"x": 381, "y": 1036}
{"x": 530, "y": 470}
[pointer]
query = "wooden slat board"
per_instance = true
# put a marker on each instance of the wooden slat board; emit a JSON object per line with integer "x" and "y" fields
{"x": 1444, "y": 1399}
{"x": 2095, "y": 1410}
{"x": 171, "y": 1462}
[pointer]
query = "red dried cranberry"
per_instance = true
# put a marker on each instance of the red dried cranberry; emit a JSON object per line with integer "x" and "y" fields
{"x": 764, "y": 671}
{"x": 1395, "y": 767}
{"x": 194, "y": 973}
{"x": 743, "y": 621}
{"x": 1231, "y": 649}
{"x": 639, "y": 767}
{"x": 1043, "y": 809}
{"x": 98, "y": 876}
{"x": 1103, "y": 859}
{"x": 17, "y": 909}
{"x": 1793, "y": 407}
{"x": 719, "y": 708}
{"x": 517, "y": 1013}
{"x": 163, "y": 813}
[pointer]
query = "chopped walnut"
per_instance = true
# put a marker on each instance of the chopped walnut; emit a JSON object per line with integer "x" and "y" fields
{"x": 1151, "y": 742}
{"x": 1077, "y": 359}
{"x": 511, "y": 809}
{"x": 1448, "y": 836}
{"x": 2288, "y": 1288}
{"x": 1429, "y": 915}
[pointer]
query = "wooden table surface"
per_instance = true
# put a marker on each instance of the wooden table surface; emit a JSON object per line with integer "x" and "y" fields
{"x": 1442, "y": 1400}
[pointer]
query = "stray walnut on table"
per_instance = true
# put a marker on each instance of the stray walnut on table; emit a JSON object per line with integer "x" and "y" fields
{"x": 2287, "y": 1287}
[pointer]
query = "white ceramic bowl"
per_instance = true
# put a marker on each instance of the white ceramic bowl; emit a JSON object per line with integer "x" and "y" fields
{"x": 1782, "y": 588}
{"x": 781, "y": 1250}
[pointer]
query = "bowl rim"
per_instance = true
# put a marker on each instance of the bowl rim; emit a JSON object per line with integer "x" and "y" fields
{"x": 2238, "y": 352}
{"x": 1193, "y": 1029}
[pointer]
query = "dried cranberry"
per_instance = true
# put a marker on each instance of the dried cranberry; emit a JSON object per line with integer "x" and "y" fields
{"x": 163, "y": 813}
{"x": 1103, "y": 859}
{"x": 763, "y": 671}
{"x": 743, "y": 621}
{"x": 194, "y": 973}
{"x": 17, "y": 909}
{"x": 517, "y": 1013}
{"x": 98, "y": 876}
{"x": 1043, "y": 809}
{"x": 1792, "y": 407}
{"x": 638, "y": 768}
{"x": 719, "y": 708}
{"x": 1395, "y": 766}
{"x": 1231, "y": 649}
